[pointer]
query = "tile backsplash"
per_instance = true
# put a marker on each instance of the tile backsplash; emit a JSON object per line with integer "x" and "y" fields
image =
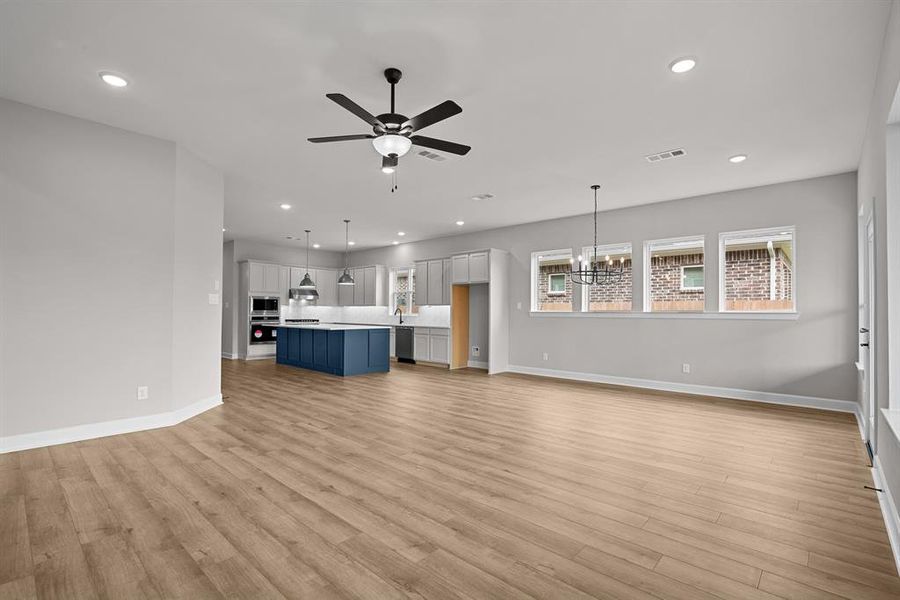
{"x": 429, "y": 316}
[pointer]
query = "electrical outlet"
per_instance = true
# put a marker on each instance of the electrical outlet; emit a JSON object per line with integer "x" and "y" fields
{"x": 476, "y": 351}
{"x": 213, "y": 298}
{"x": 686, "y": 367}
{"x": 518, "y": 306}
{"x": 546, "y": 356}
{"x": 217, "y": 285}
{"x": 143, "y": 392}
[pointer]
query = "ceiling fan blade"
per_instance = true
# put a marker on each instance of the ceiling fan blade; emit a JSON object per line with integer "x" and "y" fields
{"x": 355, "y": 108}
{"x": 442, "y": 111}
{"x": 443, "y": 145}
{"x": 341, "y": 138}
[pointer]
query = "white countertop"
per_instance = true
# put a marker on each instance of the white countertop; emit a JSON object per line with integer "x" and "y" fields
{"x": 331, "y": 326}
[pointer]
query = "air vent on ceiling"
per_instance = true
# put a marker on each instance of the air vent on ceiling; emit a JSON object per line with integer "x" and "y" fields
{"x": 483, "y": 197}
{"x": 432, "y": 155}
{"x": 665, "y": 155}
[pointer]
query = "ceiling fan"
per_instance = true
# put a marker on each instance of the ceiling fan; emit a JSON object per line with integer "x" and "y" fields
{"x": 394, "y": 134}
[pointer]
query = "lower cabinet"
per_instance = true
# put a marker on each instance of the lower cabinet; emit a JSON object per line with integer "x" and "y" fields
{"x": 339, "y": 352}
{"x": 432, "y": 344}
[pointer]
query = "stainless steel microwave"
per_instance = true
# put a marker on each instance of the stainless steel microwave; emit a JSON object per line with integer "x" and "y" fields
{"x": 262, "y": 305}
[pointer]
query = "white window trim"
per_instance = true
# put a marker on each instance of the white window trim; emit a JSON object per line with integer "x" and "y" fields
{"x": 765, "y": 234}
{"x": 693, "y": 288}
{"x": 648, "y": 249}
{"x": 535, "y": 270}
{"x": 550, "y": 291}
{"x": 586, "y": 252}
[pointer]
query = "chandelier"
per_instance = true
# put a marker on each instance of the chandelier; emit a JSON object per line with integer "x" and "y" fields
{"x": 592, "y": 271}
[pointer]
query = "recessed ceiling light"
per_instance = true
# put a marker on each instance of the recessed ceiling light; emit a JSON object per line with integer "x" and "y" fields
{"x": 401, "y": 233}
{"x": 460, "y": 223}
{"x": 316, "y": 245}
{"x": 351, "y": 243}
{"x": 395, "y": 242}
{"x": 113, "y": 80}
{"x": 738, "y": 158}
{"x": 224, "y": 230}
{"x": 286, "y": 206}
{"x": 682, "y": 65}
{"x": 784, "y": 233}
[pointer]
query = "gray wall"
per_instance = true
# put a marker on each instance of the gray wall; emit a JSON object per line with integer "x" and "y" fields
{"x": 199, "y": 206}
{"x": 478, "y": 321}
{"x": 872, "y": 198}
{"x": 811, "y": 356}
{"x": 102, "y": 232}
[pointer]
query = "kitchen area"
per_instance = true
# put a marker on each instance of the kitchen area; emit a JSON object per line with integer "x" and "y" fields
{"x": 434, "y": 312}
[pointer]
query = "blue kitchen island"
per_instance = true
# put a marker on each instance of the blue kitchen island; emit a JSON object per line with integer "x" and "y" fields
{"x": 334, "y": 348}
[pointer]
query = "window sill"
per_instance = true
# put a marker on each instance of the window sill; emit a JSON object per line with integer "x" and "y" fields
{"x": 892, "y": 416}
{"x": 759, "y": 316}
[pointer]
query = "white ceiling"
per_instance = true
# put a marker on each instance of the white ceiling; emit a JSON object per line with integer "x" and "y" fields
{"x": 556, "y": 96}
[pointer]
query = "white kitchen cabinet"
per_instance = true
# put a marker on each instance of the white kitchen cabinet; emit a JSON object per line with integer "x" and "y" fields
{"x": 326, "y": 285}
{"x": 478, "y": 267}
{"x": 447, "y": 268}
{"x": 471, "y": 268}
{"x": 359, "y": 289}
{"x": 439, "y": 346}
{"x": 284, "y": 283}
{"x": 422, "y": 345}
{"x": 460, "y": 268}
{"x": 435, "y": 282}
{"x": 421, "y": 283}
{"x": 264, "y": 278}
{"x": 345, "y": 292}
{"x": 370, "y": 290}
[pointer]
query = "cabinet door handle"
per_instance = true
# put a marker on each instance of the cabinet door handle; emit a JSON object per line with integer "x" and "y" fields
{"x": 863, "y": 330}
{"x": 865, "y": 344}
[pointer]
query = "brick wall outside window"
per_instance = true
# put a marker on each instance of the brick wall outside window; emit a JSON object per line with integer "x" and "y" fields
{"x": 748, "y": 283}
{"x": 615, "y": 295}
{"x": 665, "y": 283}
{"x": 555, "y": 302}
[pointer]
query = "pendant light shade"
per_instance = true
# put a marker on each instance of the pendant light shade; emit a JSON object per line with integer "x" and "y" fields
{"x": 346, "y": 278}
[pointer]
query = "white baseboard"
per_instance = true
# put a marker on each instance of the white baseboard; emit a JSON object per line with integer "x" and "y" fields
{"x": 888, "y": 511}
{"x": 701, "y": 390}
{"x": 89, "y": 431}
{"x": 229, "y": 356}
{"x": 477, "y": 364}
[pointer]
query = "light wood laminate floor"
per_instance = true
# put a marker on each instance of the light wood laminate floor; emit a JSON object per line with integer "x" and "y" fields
{"x": 426, "y": 483}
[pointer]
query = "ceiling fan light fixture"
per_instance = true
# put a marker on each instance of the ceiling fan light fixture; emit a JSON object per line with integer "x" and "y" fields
{"x": 390, "y": 143}
{"x": 389, "y": 164}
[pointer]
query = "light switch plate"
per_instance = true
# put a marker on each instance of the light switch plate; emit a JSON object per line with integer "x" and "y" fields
{"x": 217, "y": 285}
{"x": 143, "y": 392}
{"x": 213, "y": 298}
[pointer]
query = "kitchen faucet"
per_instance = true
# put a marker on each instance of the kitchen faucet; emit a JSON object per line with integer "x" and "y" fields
{"x": 399, "y": 310}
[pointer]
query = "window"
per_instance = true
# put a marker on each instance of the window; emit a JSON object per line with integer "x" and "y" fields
{"x": 556, "y": 284}
{"x": 692, "y": 278}
{"x": 551, "y": 283}
{"x": 614, "y": 296}
{"x": 673, "y": 274}
{"x": 757, "y": 270}
{"x": 403, "y": 290}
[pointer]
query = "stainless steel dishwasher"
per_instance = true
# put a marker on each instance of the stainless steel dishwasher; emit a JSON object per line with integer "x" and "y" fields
{"x": 405, "y": 344}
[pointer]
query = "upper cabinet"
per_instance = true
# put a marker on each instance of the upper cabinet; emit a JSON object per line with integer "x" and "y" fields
{"x": 264, "y": 278}
{"x": 432, "y": 282}
{"x": 470, "y": 268}
{"x": 369, "y": 288}
{"x": 447, "y": 268}
{"x": 326, "y": 285}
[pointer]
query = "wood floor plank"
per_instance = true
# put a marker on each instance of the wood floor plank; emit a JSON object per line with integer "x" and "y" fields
{"x": 427, "y": 483}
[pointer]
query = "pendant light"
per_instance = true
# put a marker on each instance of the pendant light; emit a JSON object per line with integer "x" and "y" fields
{"x": 345, "y": 278}
{"x": 592, "y": 273}
{"x": 307, "y": 285}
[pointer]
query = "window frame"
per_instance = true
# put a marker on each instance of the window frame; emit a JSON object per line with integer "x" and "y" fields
{"x": 726, "y": 236}
{"x": 694, "y": 288}
{"x": 648, "y": 252}
{"x": 535, "y": 270}
{"x": 410, "y": 293}
{"x": 626, "y": 248}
